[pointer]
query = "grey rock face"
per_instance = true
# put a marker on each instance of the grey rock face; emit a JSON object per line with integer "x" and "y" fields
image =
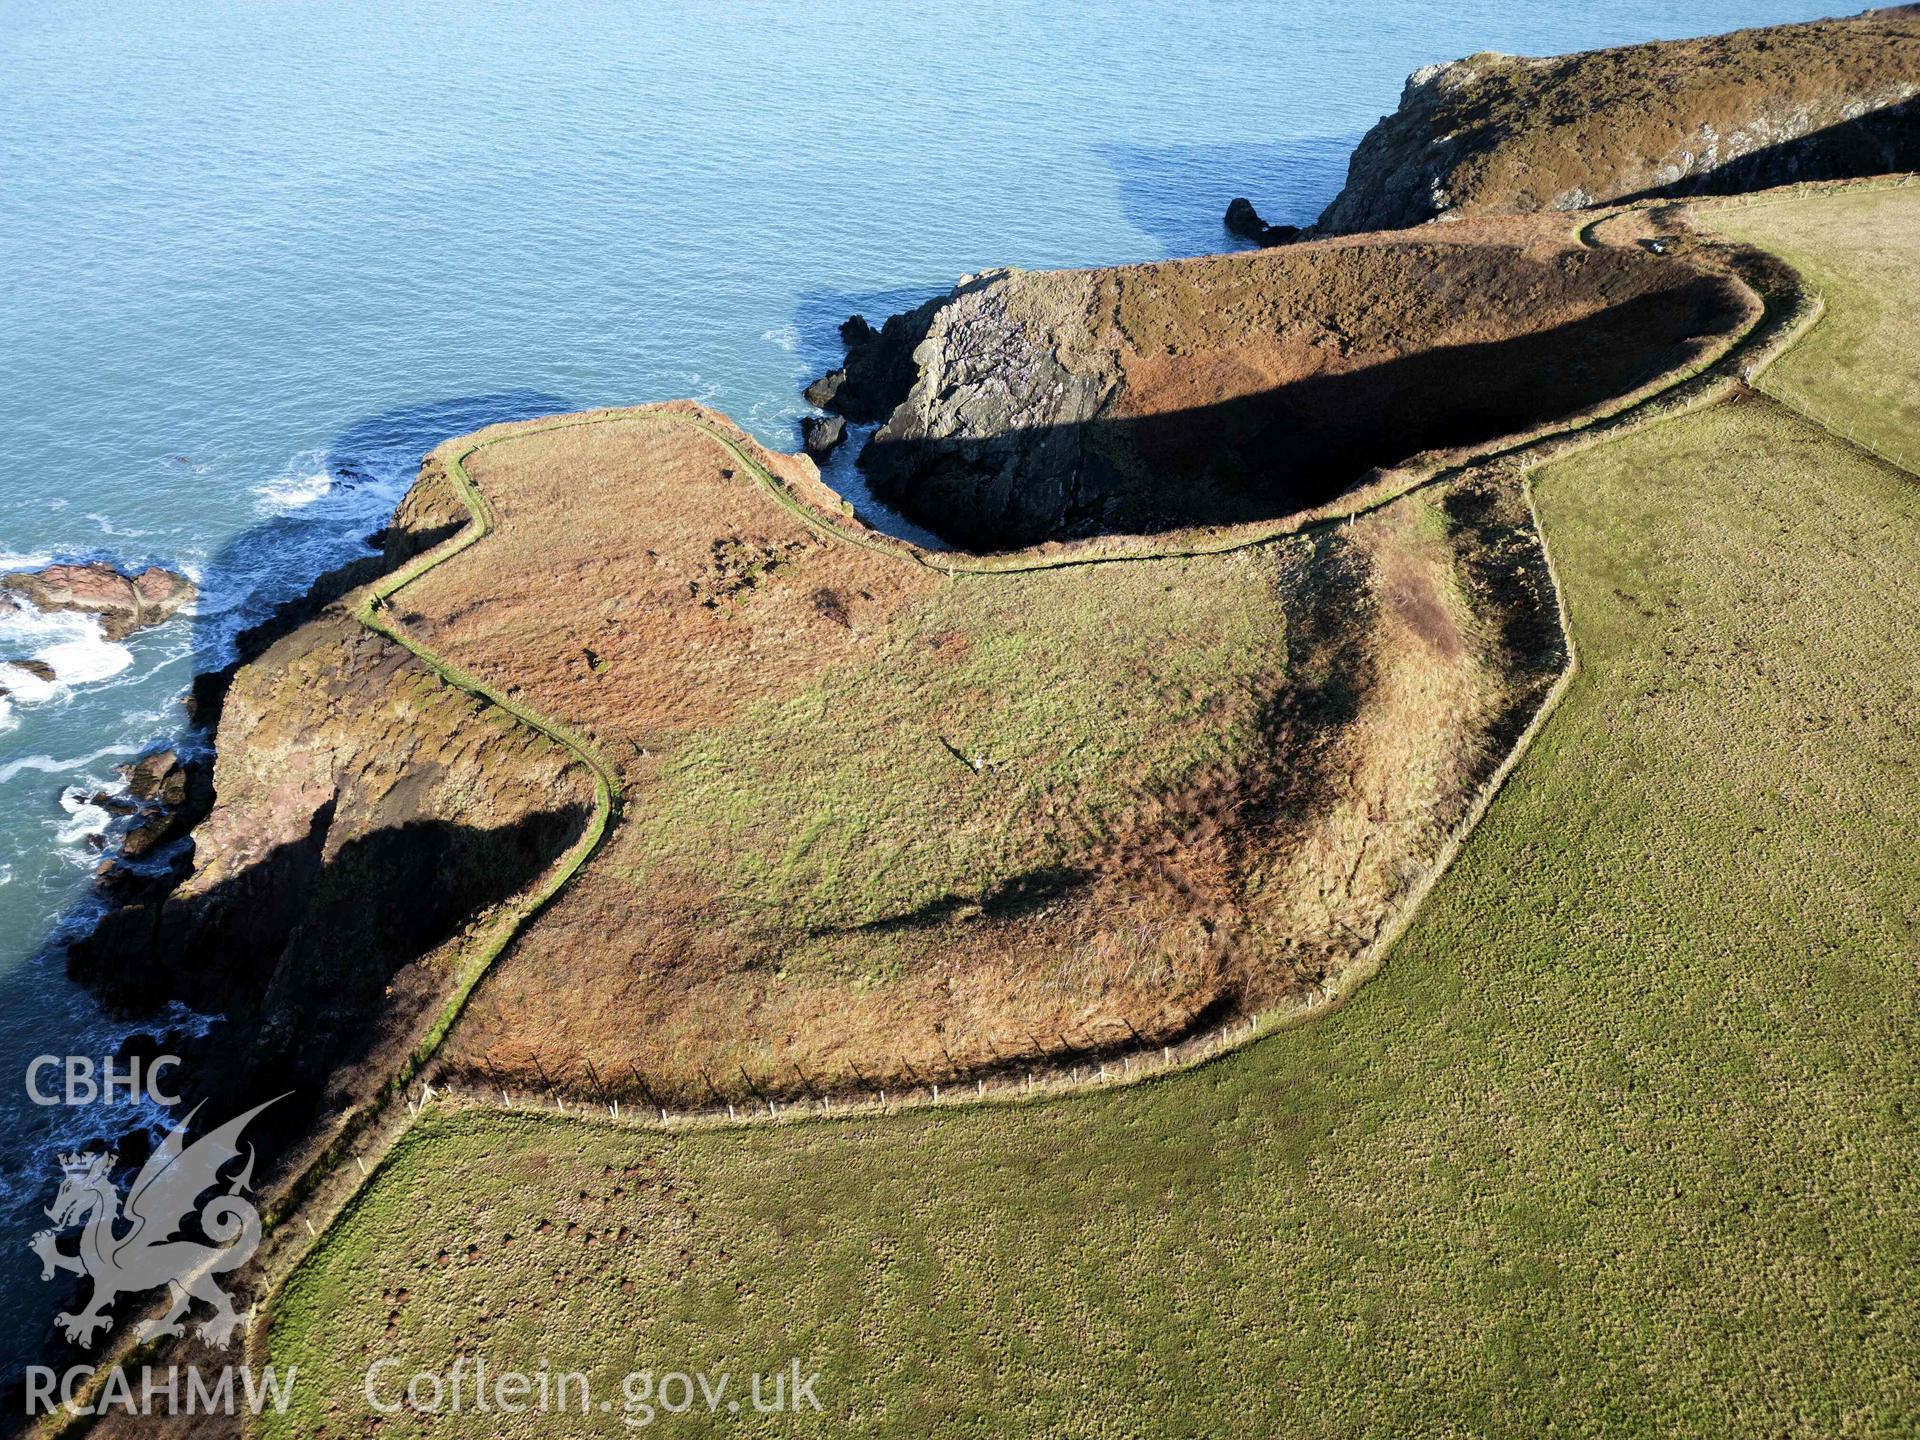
{"x": 1397, "y": 175}
{"x": 988, "y": 447}
{"x": 879, "y": 367}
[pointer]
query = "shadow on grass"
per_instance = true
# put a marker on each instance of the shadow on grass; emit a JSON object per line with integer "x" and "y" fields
{"x": 1267, "y": 454}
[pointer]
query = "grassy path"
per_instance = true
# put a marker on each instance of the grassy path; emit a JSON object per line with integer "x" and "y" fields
{"x": 374, "y": 612}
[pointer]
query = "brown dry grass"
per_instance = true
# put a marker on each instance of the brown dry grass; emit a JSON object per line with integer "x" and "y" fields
{"x": 1258, "y": 385}
{"x": 1204, "y": 780}
{"x": 1509, "y": 134}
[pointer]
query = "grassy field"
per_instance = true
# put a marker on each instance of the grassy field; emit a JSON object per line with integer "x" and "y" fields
{"x": 836, "y": 807}
{"x": 1855, "y": 371}
{"x": 886, "y": 826}
{"x": 1624, "y": 1140}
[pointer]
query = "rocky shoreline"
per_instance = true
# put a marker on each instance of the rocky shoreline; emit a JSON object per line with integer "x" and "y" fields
{"x": 337, "y": 840}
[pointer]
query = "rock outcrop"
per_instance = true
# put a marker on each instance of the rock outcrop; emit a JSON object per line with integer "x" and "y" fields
{"x": 1495, "y": 134}
{"x": 879, "y": 367}
{"x": 1244, "y": 222}
{"x": 821, "y": 434}
{"x": 160, "y": 776}
{"x": 167, "y": 795}
{"x": 36, "y": 669}
{"x": 1236, "y": 388}
{"x": 125, "y": 603}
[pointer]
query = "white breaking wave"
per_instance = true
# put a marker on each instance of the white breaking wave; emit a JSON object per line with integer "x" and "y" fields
{"x": 86, "y": 659}
{"x": 787, "y": 337}
{"x": 303, "y": 482}
{"x": 25, "y": 686}
{"x": 75, "y": 646}
{"x": 84, "y": 818}
{"x": 118, "y": 532}
{"x": 48, "y": 765}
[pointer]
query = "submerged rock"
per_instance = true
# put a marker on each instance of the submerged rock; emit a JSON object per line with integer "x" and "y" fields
{"x": 124, "y": 603}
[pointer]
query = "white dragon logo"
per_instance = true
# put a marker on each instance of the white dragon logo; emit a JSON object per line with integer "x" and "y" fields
{"x": 149, "y": 1252}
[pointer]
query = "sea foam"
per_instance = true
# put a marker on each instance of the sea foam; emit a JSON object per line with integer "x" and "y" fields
{"x": 84, "y": 818}
{"x": 75, "y": 646}
{"x": 304, "y": 481}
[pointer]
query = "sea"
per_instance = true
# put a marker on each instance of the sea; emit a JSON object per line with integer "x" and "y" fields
{"x": 256, "y": 258}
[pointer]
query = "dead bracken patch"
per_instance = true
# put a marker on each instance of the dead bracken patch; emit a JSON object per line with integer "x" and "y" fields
{"x": 885, "y": 827}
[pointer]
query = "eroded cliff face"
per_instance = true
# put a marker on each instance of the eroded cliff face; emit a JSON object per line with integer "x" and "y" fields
{"x": 1232, "y": 389}
{"x": 1503, "y": 134}
{"x": 364, "y": 813}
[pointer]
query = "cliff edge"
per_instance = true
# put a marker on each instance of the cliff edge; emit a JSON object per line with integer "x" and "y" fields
{"x": 1504, "y": 134}
{"x": 1230, "y": 389}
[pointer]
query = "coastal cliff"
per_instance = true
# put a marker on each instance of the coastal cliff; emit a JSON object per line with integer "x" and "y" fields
{"x": 850, "y": 845}
{"x": 1226, "y": 389}
{"x": 364, "y": 812}
{"x": 1498, "y": 134}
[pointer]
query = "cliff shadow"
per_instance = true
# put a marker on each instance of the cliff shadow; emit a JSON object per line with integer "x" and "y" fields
{"x": 1264, "y": 455}
{"x": 1177, "y": 194}
{"x": 315, "y": 961}
{"x": 264, "y": 583}
{"x": 1881, "y": 142}
{"x": 311, "y": 956}
{"x": 260, "y": 584}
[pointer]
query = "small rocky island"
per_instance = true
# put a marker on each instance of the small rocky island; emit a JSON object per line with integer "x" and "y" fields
{"x": 123, "y": 602}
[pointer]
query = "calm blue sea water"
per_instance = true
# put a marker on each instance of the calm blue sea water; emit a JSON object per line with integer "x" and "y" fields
{"x": 255, "y": 258}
